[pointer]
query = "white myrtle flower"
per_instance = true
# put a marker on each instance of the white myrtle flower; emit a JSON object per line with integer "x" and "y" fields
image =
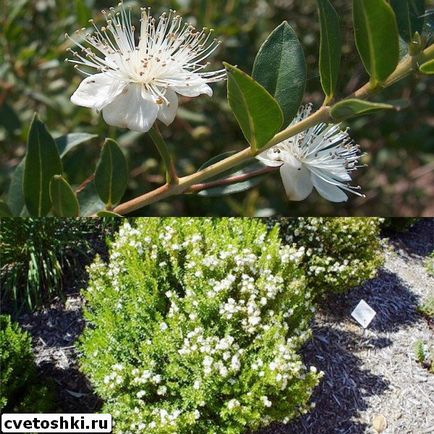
{"x": 266, "y": 401}
{"x": 321, "y": 157}
{"x": 162, "y": 390}
{"x": 233, "y": 403}
{"x": 138, "y": 82}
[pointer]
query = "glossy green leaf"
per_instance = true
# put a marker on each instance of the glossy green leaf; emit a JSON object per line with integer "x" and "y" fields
{"x": 428, "y": 67}
{"x": 280, "y": 67}
{"x": 15, "y": 198}
{"x": 355, "y": 107}
{"x": 330, "y": 47}
{"x": 65, "y": 144}
{"x": 409, "y": 15}
{"x": 237, "y": 187}
{"x": 89, "y": 201}
{"x": 42, "y": 163}
{"x": 111, "y": 177}
{"x": 257, "y": 112}
{"x": 63, "y": 198}
{"x": 5, "y": 210}
{"x": 377, "y": 38}
{"x": 68, "y": 142}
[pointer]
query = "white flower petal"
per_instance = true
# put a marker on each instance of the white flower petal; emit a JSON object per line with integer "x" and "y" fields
{"x": 297, "y": 182}
{"x": 130, "y": 110}
{"x": 329, "y": 191}
{"x": 97, "y": 91}
{"x": 270, "y": 158}
{"x": 167, "y": 112}
{"x": 194, "y": 87}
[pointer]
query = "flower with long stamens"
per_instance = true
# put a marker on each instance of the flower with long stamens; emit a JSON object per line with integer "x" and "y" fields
{"x": 135, "y": 82}
{"x": 321, "y": 157}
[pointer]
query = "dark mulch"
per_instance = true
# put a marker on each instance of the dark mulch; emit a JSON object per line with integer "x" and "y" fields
{"x": 54, "y": 333}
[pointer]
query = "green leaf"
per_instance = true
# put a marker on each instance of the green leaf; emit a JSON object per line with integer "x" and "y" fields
{"x": 15, "y": 197}
{"x": 108, "y": 214}
{"x": 82, "y": 12}
{"x": 257, "y": 112}
{"x": 5, "y": 210}
{"x": 111, "y": 177}
{"x": 68, "y": 142}
{"x": 409, "y": 15}
{"x": 65, "y": 144}
{"x": 428, "y": 67}
{"x": 330, "y": 47}
{"x": 280, "y": 67}
{"x": 377, "y": 37}
{"x": 355, "y": 107}
{"x": 89, "y": 201}
{"x": 65, "y": 203}
{"x": 42, "y": 163}
{"x": 238, "y": 187}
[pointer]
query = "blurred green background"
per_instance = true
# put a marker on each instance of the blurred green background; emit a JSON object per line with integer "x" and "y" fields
{"x": 399, "y": 179}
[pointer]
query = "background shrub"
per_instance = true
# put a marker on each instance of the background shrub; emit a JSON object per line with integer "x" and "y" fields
{"x": 340, "y": 253}
{"x": 398, "y": 224}
{"x": 429, "y": 264}
{"x": 36, "y": 253}
{"x": 21, "y": 389}
{"x": 195, "y": 325}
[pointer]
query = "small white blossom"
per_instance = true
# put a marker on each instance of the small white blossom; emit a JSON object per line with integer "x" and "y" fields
{"x": 321, "y": 157}
{"x": 135, "y": 84}
{"x": 266, "y": 401}
{"x": 233, "y": 403}
{"x": 162, "y": 390}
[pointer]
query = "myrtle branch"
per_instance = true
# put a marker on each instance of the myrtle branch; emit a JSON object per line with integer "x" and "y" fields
{"x": 187, "y": 183}
{"x": 232, "y": 179}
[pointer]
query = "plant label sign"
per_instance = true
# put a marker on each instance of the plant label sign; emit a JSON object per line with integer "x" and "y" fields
{"x": 363, "y": 314}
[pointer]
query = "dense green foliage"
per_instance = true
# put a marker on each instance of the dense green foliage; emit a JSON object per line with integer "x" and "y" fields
{"x": 340, "y": 253}
{"x": 195, "y": 326}
{"x": 427, "y": 307}
{"x": 35, "y": 254}
{"x": 397, "y": 224}
{"x": 34, "y": 77}
{"x": 21, "y": 389}
{"x": 429, "y": 265}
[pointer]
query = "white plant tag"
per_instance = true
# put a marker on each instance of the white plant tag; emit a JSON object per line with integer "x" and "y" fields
{"x": 364, "y": 314}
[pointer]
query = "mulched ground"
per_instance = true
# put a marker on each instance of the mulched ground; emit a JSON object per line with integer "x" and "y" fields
{"x": 54, "y": 331}
{"x": 374, "y": 372}
{"x": 366, "y": 373}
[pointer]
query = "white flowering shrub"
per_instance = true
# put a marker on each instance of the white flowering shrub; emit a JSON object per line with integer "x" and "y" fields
{"x": 195, "y": 326}
{"x": 340, "y": 253}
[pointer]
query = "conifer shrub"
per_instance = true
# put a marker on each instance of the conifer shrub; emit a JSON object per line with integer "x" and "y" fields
{"x": 340, "y": 253}
{"x": 195, "y": 326}
{"x": 21, "y": 389}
